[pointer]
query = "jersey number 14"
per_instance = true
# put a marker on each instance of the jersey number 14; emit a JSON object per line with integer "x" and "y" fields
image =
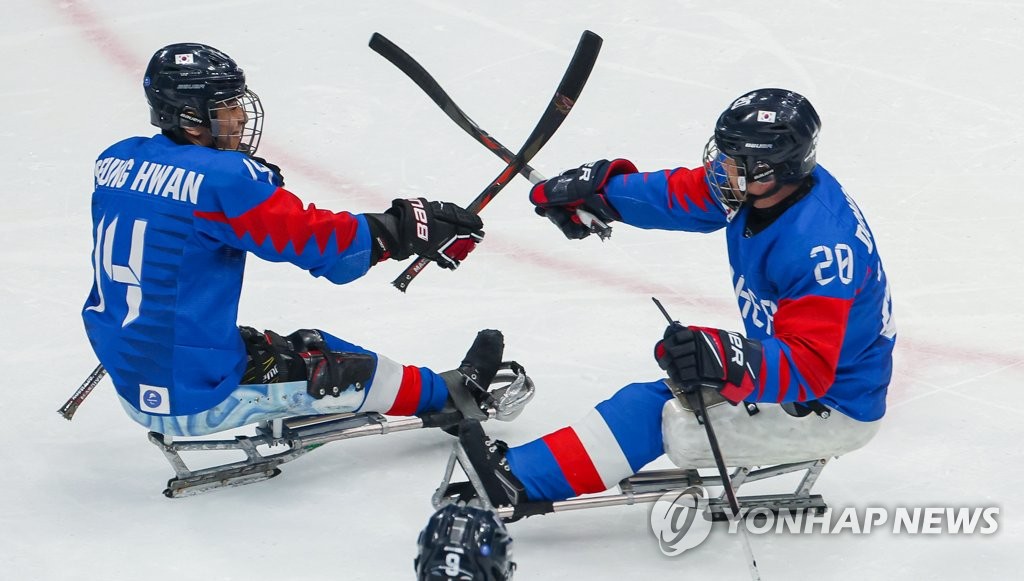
{"x": 127, "y": 274}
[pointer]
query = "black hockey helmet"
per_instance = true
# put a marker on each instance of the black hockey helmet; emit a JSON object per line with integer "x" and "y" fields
{"x": 186, "y": 85}
{"x": 464, "y": 543}
{"x": 766, "y": 134}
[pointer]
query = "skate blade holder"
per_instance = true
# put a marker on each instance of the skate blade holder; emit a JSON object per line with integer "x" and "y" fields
{"x": 643, "y": 488}
{"x": 298, "y": 436}
{"x": 470, "y": 492}
{"x": 660, "y": 482}
{"x": 510, "y": 391}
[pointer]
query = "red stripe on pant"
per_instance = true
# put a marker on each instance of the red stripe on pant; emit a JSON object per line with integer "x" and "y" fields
{"x": 573, "y": 460}
{"x": 408, "y": 398}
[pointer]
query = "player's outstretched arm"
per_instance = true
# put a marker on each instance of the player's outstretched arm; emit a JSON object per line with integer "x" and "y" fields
{"x": 671, "y": 199}
{"x": 274, "y": 224}
{"x": 677, "y": 199}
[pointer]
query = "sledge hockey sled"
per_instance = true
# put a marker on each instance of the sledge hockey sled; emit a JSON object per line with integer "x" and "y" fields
{"x": 647, "y": 487}
{"x": 510, "y": 391}
{"x": 297, "y": 436}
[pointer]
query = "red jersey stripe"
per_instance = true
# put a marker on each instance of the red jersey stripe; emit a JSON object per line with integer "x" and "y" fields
{"x": 282, "y": 218}
{"x": 813, "y": 328}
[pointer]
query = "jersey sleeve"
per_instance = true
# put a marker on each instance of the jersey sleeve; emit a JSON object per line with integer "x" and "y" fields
{"x": 677, "y": 199}
{"x": 817, "y": 288}
{"x": 249, "y": 212}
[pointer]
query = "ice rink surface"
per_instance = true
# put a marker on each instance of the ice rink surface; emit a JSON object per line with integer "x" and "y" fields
{"x": 923, "y": 124}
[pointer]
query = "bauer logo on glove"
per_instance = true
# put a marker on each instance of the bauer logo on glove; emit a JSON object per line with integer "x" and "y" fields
{"x": 695, "y": 356}
{"x": 581, "y": 188}
{"x": 440, "y": 231}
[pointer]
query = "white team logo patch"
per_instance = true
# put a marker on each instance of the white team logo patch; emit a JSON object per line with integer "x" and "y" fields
{"x": 766, "y": 116}
{"x": 154, "y": 400}
{"x": 183, "y": 59}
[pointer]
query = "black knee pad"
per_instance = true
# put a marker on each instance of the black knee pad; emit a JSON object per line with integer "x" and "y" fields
{"x": 333, "y": 372}
{"x": 330, "y": 372}
{"x": 307, "y": 340}
{"x": 304, "y": 355}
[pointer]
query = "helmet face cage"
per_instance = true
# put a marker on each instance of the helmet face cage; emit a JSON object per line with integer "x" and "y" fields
{"x": 726, "y": 176}
{"x": 236, "y": 124}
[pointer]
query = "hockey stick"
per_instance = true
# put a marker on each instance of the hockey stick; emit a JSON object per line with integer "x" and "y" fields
{"x": 71, "y": 406}
{"x": 558, "y": 108}
{"x": 425, "y": 81}
{"x": 695, "y": 395}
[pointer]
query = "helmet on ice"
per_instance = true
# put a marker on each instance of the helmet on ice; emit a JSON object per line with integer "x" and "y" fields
{"x": 464, "y": 543}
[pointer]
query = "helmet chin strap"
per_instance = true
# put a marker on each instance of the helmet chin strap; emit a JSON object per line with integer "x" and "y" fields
{"x": 750, "y": 198}
{"x": 795, "y": 194}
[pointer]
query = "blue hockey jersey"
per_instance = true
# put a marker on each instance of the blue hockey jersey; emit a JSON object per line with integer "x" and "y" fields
{"x": 172, "y": 224}
{"x": 810, "y": 286}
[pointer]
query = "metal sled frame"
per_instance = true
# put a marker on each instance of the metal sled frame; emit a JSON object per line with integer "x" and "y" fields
{"x": 509, "y": 391}
{"x": 298, "y": 435}
{"x": 649, "y": 486}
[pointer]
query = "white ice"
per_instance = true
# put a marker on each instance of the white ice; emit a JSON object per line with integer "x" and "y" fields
{"x": 923, "y": 123}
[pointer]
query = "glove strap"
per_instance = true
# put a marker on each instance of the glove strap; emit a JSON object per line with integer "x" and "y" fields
{"x": 384, "y": 233}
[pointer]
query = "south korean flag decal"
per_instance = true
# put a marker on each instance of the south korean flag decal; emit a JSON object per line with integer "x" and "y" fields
{"x": 183, "y": 59}
{"x": 766, "y": 116}
{"x": 154, "y": 400}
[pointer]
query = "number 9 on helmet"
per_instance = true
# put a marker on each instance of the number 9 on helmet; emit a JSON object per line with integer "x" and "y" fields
{"x": 464, "y": 543}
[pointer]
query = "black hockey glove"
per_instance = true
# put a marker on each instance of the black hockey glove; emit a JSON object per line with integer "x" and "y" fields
{"x": 695, "y": 356}
{"x": 278, "y": 176}
{"x": 439, "y": 231}
{"x": 558, "y": 198}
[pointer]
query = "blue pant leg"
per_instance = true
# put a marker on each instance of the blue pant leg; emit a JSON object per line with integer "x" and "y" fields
{"x": 550, "y": 467}
{"x": 634, "y": 416}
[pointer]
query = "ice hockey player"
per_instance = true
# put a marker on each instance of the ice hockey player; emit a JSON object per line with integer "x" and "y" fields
{"x": 817, "y": 353}
{"x": 464, "y": 543}
{"x": 174, "y": 216}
